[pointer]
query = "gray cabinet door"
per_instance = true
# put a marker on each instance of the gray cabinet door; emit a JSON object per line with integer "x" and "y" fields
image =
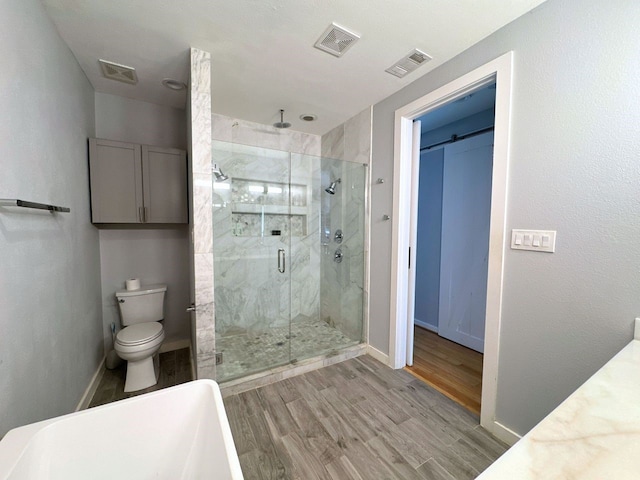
{"x": 116, "y": 181}
{"x": 164, "y": 180}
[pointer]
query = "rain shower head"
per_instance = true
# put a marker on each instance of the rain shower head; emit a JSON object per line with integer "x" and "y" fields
{"x": 331, "y": 189}
{"x": 282, "y": 123}
{"x": 220, "y": 177}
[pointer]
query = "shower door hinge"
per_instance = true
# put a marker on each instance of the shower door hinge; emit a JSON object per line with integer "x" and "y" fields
{"x": 219, "y": 358}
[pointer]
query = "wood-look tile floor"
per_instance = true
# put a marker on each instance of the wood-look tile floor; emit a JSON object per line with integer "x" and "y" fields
{"x": 450, "y": 368}
{"x": 357, "y": 419}
{"x": 175, "y": 368}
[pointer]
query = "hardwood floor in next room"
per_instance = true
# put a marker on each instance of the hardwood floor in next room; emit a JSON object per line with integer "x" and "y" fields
{"x": 450, "y": 368}
{"x": 357, "y": 419}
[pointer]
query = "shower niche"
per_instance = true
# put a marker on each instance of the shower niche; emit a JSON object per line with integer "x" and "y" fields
{"x": 260, "y": 208}
{"x": 280, "y": 297}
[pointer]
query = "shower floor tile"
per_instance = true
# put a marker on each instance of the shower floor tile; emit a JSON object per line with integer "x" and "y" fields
{"x": 250, "y": 353}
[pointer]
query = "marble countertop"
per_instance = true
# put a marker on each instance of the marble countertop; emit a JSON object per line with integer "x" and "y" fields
{"x": 593, "y": 434}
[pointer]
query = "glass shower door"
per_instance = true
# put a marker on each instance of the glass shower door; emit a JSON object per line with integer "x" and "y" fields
{"x": 328, "y": 270}
{"x": 252, "y": 244}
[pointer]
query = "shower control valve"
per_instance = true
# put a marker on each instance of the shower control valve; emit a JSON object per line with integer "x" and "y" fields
{"x": 337, "y": 257}
{"x": 338, "y": 236}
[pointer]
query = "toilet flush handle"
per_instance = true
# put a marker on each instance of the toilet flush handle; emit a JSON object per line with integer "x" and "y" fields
{"x": 192, "y": 308}
{"x": 121, "y": 300}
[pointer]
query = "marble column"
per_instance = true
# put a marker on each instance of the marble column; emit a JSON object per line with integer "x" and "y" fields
{"x": 200, "y": 109}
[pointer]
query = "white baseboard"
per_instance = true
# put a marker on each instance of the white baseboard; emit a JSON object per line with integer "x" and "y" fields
{"x": 503, "y": 433}
{"x": 377, "y": 354}
{"x": 93, "y": 386}
{"x": 175, "y": 345}
{"x": 425, "y": 325}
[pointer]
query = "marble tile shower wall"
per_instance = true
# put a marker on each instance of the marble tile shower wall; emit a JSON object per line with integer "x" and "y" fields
{"x": 342, "y": 284}
{"x": 305, "y": 250}
{"x": 251, "y": 295}
{"x": 344, "y": 287}
{"x": 227, "y": 129}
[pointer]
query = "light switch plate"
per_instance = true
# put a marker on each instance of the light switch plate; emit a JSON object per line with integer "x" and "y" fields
{"x": 534, "y": 240}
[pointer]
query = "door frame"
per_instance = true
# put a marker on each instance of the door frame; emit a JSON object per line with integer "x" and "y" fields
{"x": 500, "y": 71}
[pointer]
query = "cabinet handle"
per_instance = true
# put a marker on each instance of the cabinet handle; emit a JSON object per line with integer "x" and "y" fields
{"x": 140, "y": 215}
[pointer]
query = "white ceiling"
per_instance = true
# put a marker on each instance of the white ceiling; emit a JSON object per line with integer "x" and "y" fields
{"x": 262, "y": 50}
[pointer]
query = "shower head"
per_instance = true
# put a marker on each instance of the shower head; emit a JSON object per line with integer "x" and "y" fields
{"x": 331, "y": 189}
{"x": 220, "y": 177}
{"x": 282, "y": 123}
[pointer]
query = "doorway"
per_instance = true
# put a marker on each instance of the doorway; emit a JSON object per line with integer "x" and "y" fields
{"x": 452, "y": 246}
{"x": 498, "y": 71}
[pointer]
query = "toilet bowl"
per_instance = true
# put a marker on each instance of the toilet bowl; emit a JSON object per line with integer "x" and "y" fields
{"x": 141, "y": 338}
{"x": 138, "y": 345}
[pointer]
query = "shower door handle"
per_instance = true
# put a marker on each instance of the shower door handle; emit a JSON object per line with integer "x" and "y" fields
{"x": 281, "y": 260}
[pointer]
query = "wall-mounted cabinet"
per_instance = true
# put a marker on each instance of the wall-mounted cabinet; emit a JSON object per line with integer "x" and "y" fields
{"x": 133, "y": 183}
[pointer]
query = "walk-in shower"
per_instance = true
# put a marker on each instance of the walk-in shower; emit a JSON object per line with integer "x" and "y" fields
{"x": 288, "y": 259}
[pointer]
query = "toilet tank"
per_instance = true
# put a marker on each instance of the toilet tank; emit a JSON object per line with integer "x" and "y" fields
{"x": 143, "y": 305}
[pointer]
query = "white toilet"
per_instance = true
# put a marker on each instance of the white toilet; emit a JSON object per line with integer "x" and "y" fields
{"x": 140, "y": 339}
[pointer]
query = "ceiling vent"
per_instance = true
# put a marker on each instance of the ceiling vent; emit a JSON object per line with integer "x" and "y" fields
{"x": 120, "y": 73}
{"x": 409, "y": 63}
{"x": 336, "y": 40}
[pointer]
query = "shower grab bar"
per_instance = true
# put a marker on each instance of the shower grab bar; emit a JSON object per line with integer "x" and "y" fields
{"x": 282, "y": 265}
{"x": 6, "y": 202}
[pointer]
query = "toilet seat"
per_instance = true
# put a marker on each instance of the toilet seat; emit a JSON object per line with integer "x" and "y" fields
{"x": 139, "y": 334}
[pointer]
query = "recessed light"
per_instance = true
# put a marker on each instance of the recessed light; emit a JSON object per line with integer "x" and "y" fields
{"x": 308, "y": 117}
{"x": 173, "y": 84}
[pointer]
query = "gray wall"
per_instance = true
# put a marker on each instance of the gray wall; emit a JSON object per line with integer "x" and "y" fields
{"x": 574, "y": 168}
{"x": 50, "y": 342}
{"x": 155, "y": 255}
{"x": 127, "y": 120}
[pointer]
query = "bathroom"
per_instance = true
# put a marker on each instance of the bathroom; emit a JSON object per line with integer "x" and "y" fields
{"x": 107, "y": 254}
{"x": 56, "y": 311}
{"x": 314, "y": 292}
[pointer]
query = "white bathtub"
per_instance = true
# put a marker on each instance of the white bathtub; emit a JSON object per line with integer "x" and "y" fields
{"x": 177, "y": 433}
